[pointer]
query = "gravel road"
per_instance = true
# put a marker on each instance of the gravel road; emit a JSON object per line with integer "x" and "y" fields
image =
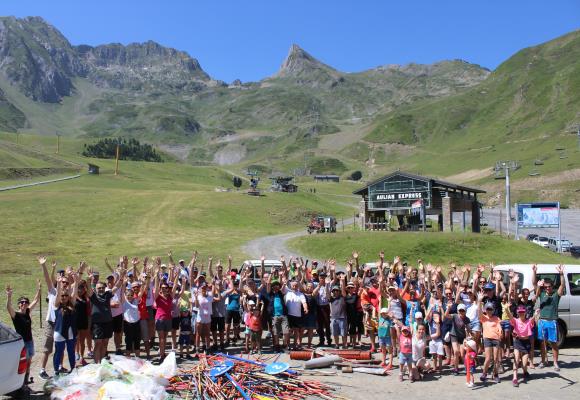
{"x": 276, "y": 245}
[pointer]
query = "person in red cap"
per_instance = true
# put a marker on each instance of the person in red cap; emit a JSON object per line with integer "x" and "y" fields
{"x": 523, "y": 331}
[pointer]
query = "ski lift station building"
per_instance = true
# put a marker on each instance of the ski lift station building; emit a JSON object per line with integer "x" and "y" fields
{"x": 401, "y": 194}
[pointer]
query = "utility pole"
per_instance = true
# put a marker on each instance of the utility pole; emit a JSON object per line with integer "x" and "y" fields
{"x": 117, "y": 160}
{"x": 508, "y": 216}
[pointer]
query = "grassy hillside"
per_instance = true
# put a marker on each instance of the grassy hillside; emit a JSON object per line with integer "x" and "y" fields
{"x": 435, "y": 248}
{"x": 146, "y": 210}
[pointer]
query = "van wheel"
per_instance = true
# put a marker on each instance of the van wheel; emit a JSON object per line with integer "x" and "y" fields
{"x": 561, "y": 333}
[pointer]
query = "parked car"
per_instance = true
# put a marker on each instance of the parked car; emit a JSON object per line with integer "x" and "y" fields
{"x": 575, "y": 251}
{"x": 255, "y": 266}
{"x": 531, "y": 236}
{"x": 541, "y": 241}
{"x": 554, "y": 244}
{"x": 569, "y": 307}
{"x": 13, "y": 356}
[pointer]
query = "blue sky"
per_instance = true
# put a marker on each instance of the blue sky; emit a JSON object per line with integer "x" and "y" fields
{"x": 249, "y": 39}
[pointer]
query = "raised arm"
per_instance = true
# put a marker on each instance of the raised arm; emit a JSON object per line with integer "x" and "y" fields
{"x": 9, "y": 302}
{"x": 560, "y": 269}
{"x": 174, "y": 287}
{"x": 108, "y": 265}
{"x": 36, "y": 296}
{"x": 47, "y": 279}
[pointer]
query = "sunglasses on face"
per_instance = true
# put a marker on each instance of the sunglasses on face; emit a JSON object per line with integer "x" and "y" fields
{"x": 24, "y": 302}
{"x": 64, "y": 295}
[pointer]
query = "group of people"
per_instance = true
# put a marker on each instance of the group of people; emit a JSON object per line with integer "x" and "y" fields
{"x": 426, "y": 318}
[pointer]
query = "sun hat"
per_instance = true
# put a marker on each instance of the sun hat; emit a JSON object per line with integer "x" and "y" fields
{"x": 393, "y": 287}
{"x": 521, "y": 308}
{"x": 405, "y": 328}
{"x": 461, "y": 307}
{"x": 350, "y": 284}
{"x": 336, "y": 287}
{"x": 418, "y": 314}
{"x": 471, "y": 344}
{"x": 384, "y": 310}
{"x": 135, "y": 284}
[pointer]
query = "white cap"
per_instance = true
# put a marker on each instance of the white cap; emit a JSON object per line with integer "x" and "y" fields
{"x": 461, "y": 307}
{"x": 384, "y": 310}
{"x": 251, "y": 303}
{"x": 471, "y": 344}
{"x": 418, "y": 314}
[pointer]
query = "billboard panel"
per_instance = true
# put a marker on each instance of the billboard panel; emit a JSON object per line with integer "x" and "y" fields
{"x": 539, "y": 215}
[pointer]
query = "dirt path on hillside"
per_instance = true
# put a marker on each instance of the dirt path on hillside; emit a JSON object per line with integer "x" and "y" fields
{"x": 276, "y": 245}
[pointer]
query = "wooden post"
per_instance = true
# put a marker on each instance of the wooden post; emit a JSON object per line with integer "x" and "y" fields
{"x": 57, "y": 143}
{"x": 117, "y": 161}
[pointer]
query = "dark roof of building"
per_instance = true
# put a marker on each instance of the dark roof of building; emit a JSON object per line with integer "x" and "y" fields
{"x": 434, "y": 183}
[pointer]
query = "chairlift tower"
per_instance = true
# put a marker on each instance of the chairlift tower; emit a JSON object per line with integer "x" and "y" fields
{"x": 502, "y": 171}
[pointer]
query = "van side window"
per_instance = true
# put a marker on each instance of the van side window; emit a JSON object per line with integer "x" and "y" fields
{"x": 574, "y": 282}
{"x": 555, "y": 278}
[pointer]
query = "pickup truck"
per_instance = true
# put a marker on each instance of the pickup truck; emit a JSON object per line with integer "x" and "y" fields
{"x": 13, "y": 356}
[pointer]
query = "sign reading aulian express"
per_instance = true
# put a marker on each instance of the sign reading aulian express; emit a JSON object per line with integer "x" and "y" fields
{"x": 400, "y": 196}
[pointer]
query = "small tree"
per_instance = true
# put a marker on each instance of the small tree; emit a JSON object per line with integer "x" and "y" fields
{"x": 237, "y": 181}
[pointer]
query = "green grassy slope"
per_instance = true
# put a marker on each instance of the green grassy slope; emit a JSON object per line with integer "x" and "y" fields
{"x": 524, "y": 110}
{"x": 435, "y": 248}
{"x": 147, "y": 209}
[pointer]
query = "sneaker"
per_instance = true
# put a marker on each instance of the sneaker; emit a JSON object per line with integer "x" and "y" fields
{"x": 483, "y": 377}
{"x": 119, "y": 352}
{"x": 541, "y": 365}
{"x": 83, "y": 362}
{"x": 496, "y": 379}
{"x": 90, "y": 354}
{"x": 77, "y": 357}
{"x": 44, "y": 375}
{"x": 527, "y": 375}
{"x": 455, "y": 371}
{"x": 63, "y": 370}
{"x": 515, "y": 382}
{"x": 556, "y": 368}
{"x": 469, "y": 384}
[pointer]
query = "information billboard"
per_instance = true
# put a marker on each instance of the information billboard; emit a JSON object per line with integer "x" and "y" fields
{"x": 539, "y": 215}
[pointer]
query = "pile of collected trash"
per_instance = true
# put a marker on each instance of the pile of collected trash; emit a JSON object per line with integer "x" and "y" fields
{"x": 119, "y": 378}
{"x": 225, "y": 377}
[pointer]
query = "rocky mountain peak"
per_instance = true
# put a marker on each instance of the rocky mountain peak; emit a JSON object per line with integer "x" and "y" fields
{"x": 299, "y": 63}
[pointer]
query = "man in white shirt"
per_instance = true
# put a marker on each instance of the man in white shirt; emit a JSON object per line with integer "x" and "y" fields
{"x": 295, "y": 302}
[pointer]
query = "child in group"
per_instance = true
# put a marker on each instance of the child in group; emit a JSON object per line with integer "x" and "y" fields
{"x": 523, "y": 331}
{"x": 470, "y": 360}
{"x": 254, "y": 323}
{"x": 185, "y": 332}
{"x": 436, "y": 348}
{"x": 384, "y": 333}
{"x": 418, "y": 344}
{"x": 505, "y": 326}
{"x": 405, "y": 351}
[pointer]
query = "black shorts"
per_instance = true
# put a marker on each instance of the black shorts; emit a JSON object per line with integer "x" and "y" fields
{"x": 218, "y": 324}
{"x": 294, "y": 322}
{"x": 102, "y": 330}
{"x": 175, "y": 323}
{"x": 523, "y": 345}
{"x": 233, "y": 316}
{"x": 118, "y": 324}
{"x": 355, "y": 324}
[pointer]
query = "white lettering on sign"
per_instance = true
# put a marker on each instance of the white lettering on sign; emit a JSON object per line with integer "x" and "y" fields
{"x": 399, "y": 196}
{"x": 410, "y": 196}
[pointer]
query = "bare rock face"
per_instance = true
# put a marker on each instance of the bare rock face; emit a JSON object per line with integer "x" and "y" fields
{"x": 302, "y": 68}
{"x": 140, "y": 64}
{"x": 38, "y": 59}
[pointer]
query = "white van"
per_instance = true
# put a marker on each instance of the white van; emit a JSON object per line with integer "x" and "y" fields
{"x": 255, "y": 266}
{"x": 569, "y": 308}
